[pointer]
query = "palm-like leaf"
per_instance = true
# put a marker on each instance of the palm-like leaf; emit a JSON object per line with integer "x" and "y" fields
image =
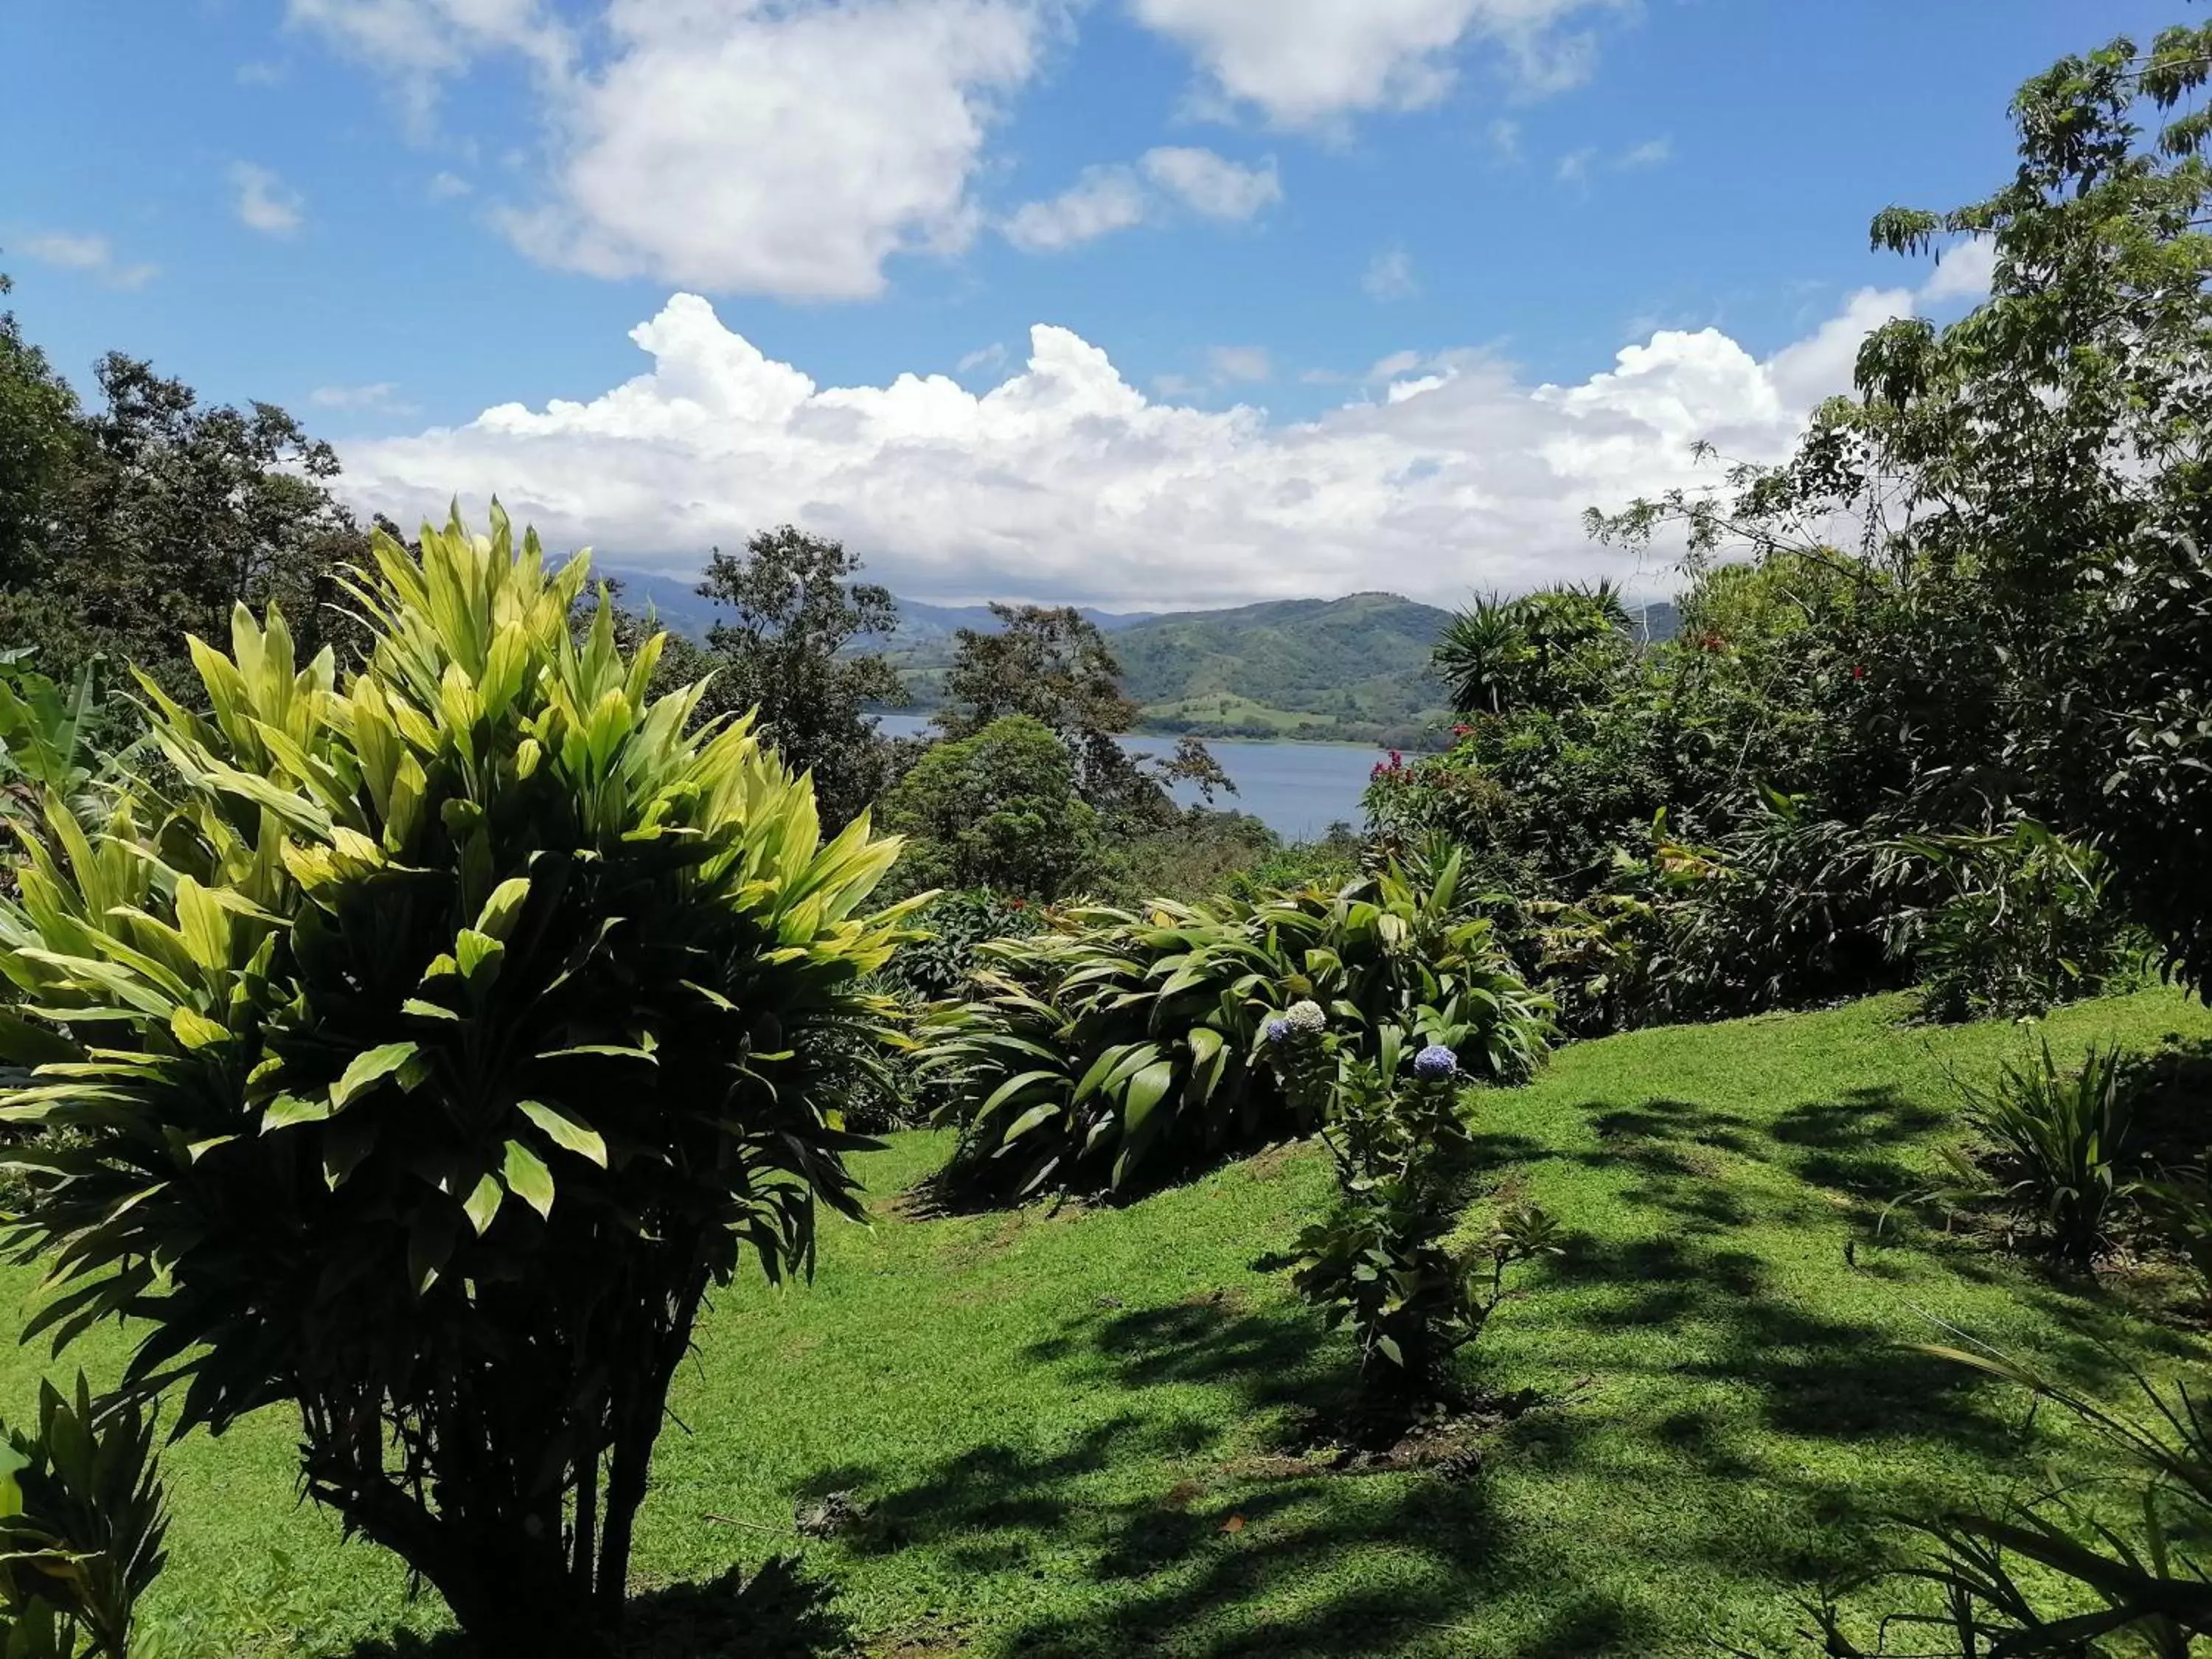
{"x": 1124, "y": 1041}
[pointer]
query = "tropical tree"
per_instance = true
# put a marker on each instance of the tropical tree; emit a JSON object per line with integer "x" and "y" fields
{"x": 1556, "y": 648}
{"x": 998, "y": 810}
{"x": 2023, "y": 497}
{"x": 419, "y": 1048}
{"x": 1052, "y": 663}
{"x": 789, "y": 649}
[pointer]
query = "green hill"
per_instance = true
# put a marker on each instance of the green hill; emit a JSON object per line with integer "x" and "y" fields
{"x": 1357, "y": 666}
{"x": 1349, "y": 669}
{"x": 1070, "y": 1423}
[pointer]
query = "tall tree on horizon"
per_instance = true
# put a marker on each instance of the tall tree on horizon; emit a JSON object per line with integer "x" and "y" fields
{"x": 787, "y": 650}
{"x": 1053, "y": 663}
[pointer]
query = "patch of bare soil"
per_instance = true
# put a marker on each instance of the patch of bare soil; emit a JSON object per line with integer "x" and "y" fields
{"x": 1446, "y": 1438}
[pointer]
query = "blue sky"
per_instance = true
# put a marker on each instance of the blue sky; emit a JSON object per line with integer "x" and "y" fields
{"x": 1335, "y": 288}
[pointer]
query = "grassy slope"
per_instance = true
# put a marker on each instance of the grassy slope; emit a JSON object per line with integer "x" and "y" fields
{"x": 1055, "y": 1413}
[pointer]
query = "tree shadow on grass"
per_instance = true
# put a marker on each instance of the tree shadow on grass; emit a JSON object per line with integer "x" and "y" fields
{"x": 776, "y": 1611}
{"x": 1162, "y": 1530}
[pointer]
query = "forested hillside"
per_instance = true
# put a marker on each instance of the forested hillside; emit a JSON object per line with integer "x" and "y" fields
{"x": 1351, "y": 670}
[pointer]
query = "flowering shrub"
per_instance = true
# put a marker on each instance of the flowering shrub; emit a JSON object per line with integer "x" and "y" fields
{"x": 1382, "y": 1263}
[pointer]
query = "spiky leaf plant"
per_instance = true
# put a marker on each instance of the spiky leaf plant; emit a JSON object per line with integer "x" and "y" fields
{"x": 81, "y": 1526}
{"x": 426, "y": 1046}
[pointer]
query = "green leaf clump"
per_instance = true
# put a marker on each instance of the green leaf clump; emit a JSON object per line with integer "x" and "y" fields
{"x": 430, "y": 1042}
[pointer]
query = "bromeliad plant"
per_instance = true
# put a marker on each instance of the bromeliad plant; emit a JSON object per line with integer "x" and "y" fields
{"x": 1122, "y": 1044}
{"x": 81, "y": 1526}
{"x": 425, "y": 1047}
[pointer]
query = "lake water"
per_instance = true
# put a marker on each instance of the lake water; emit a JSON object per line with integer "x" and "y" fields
{"x": 1295, "y": 789}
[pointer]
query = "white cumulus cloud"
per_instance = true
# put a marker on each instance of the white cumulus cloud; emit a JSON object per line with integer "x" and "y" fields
{"x": 1105, "y": 199}
{"x": 1964, "y": 271}
{"x": 783, "y": 146}
{"x": 1064, "y": 482}
{"x": 1306, "y": 62}
{"x": 1102, "y": 201}
{"x": 263, "y": 203}
{"x": 789, "y": 148}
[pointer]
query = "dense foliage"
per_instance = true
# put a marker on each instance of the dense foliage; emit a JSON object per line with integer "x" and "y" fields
{"x": 2028, "y": 500}
{"x": 418, "y": 1048}
{"x": 1053, "y": 665}
{"x": 998, "y": 810}
{"x": 790, "y": 609}
{"x": 1124, "y": 1044}
{"x": 126, "y": 525}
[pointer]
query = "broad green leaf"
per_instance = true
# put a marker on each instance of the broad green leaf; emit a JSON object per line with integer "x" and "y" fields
{"x": 480, "y": 956}
{"x": 566, "y": 1130}
{"x": 368, "y": 1069}
{"x": 482, "y": 1202}
{"x": 195, "y": 1029}
{"x": 497, "y": 919}
{"x": 1147, "y": 1089}
{"x": 286, "y": 1110}
{"x": 528, "y": 1178}
{"x": 23, "y": 1043}
{"x": 1030, "y": 1119}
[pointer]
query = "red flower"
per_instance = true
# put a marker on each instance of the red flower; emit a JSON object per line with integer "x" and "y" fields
{"x": 1857, "y": 673}
{"x": 1017, "y": 904}
{"x": 1397, "y": 760}
{"x": 1461, "y": 731}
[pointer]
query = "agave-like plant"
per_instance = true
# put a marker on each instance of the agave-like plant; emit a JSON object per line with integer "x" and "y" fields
{"x": 1122, "y": 1041}
{"x": 426, "y": 1046}
{"x": 2059, "y": 1146}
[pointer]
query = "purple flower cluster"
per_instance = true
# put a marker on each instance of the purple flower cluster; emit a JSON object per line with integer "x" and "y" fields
{"x": 1435, "y": 1063}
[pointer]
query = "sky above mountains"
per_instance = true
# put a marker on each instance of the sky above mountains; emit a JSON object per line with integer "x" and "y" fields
{"x": 1144, "y": 303}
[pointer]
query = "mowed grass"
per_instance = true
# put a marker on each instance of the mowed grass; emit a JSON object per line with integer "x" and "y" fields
{"x": 1055, "y": 1415}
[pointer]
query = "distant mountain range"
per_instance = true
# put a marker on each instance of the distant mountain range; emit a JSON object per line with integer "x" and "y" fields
{"x": 676, "y": 602}
{"x": 1349, "y": 670}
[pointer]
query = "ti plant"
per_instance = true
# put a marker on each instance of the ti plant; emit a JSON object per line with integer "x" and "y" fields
{"x": 419, "y": 1050}
{"x": 43, "y": 747}
{"x": 1382, "y": 1261}
{"x": 81, "y": 1525}
{"x": 1119, "y": 1047}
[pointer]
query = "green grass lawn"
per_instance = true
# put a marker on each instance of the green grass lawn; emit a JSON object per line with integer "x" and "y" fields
{"x": 1055, "y": 1414}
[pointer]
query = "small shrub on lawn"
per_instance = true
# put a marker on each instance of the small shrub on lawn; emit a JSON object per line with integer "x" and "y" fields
{"x": 2055, "y": 1147}
{"x": 1380, "y": 1262}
